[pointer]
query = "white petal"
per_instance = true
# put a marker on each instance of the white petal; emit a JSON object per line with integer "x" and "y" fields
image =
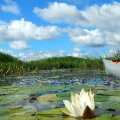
{"x": 91, "y": 96}
{"x": 85, "y": 99}
{"x": 92, "y": 103}
{"x": 65, "y": 111}
{"x": 79, "y": 103}
{"x": 77, "y": 110}
{"x": 77, "y": 99}
{"x": 82, "y": 92}
{"x": 69, "y": 106}
{"x": 82, "y": 105}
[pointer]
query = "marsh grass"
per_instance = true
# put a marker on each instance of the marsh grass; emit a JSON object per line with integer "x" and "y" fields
{"x": 114, "y": 57}
{"x": 10, "y": 65}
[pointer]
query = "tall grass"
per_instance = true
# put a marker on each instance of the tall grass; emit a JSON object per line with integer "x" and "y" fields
{"x": 7, "y": 58}
{"x": 115, "y": 57}
{"x": 13, "y": 66}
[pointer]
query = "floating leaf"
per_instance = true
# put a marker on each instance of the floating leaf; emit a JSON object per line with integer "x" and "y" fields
{"x": 56, "y": 111}
{"x": 115, "y": 105}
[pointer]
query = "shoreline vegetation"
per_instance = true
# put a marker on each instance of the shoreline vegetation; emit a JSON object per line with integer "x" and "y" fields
{"x": 115, "y": 57}
{"x": 10, "y": 65}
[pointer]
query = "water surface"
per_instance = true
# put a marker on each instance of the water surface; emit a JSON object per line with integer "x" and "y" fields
{"x": 33, "y": 93}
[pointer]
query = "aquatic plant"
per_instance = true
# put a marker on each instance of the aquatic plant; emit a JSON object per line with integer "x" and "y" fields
{"x": 81, "y": 105}
{"x": 4, "y": 57}
{"x": 115, "y": 57}
{"x": 10, "y": 65}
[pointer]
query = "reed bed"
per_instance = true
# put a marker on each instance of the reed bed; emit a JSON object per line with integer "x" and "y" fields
{"x": 10, "y": 65}
{"x": 115, "y": 57}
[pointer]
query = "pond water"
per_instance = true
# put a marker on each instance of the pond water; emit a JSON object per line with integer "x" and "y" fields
{"x": 61, "y": 78}
{"x": 39, "y": 96}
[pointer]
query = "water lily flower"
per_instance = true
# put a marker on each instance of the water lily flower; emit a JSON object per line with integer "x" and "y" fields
{"x": 82, "y": 105}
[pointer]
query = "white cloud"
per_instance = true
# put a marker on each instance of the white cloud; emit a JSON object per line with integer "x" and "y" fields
{"x": 19, "y": 45}
{"x": 86, "y": 37}
{"x": 21, "y": 30}
{"x": 106, "y": 18}
{"x": 113, "y": 38}
{"x": 33, "y": 55}
{"x": 10, "y": 6}
{"x": 3, "y": 27}
{"x": 76, "y": 52}
{"x": 37, "y": 55}
{"x": 61, "y": 13}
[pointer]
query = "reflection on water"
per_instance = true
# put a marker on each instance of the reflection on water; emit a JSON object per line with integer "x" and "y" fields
{"x": 61, "y": 78}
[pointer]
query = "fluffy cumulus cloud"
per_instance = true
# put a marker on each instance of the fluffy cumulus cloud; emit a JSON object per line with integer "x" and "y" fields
{"x": 37, "y": 55}
{"x": 95, "y": 26}
{"x": 19, "y": 45}
{"x": 34, "y": 55}
{"x": 104, "y": 19}
{"x": 10, "y": 6}
{"x": 93, "y": 38}
{"x": 61, "y": 13}
{"x": 21, "y": 30}
{"x": 76, "y": 52}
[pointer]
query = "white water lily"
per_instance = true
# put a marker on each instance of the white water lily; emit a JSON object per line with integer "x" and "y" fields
{"x": 79, "y": 103}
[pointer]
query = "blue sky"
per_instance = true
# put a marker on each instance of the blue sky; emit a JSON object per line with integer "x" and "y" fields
{"x": 35, "y": 29}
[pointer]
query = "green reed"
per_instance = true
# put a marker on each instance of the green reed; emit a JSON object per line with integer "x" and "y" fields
{"x": 115, "y": 57}
{"x": 10, "y": 65}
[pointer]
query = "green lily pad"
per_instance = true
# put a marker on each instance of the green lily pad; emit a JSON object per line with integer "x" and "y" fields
{"x": 5, "y": 117}
{"x": 105, "y": 97}
{"x": 56, "y": 111}
{"x": 117, "y": 117}
{"x": 22, "y": 117}
{"x": 13, "y": 98}
{"x": 103, "y": 117}
{"x": 64, "y": 95}
{"x": 112, "y": 93}
{"x": 103, "y": 88}
{"x": 110, "y": 105}
{"x": 101, "y": 98}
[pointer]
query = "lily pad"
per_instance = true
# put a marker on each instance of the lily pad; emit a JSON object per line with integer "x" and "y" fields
{"x": 104, "y": 117}
{"x": 56, "y": 111}
{"x": 13, "y": 98}
{"x": 23, "y": 117}
{"x": 48, "y": 97}
{"x": 115, "y": 105}
{"x": 112, "y": 93}
{"x": 101, "y": 98}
